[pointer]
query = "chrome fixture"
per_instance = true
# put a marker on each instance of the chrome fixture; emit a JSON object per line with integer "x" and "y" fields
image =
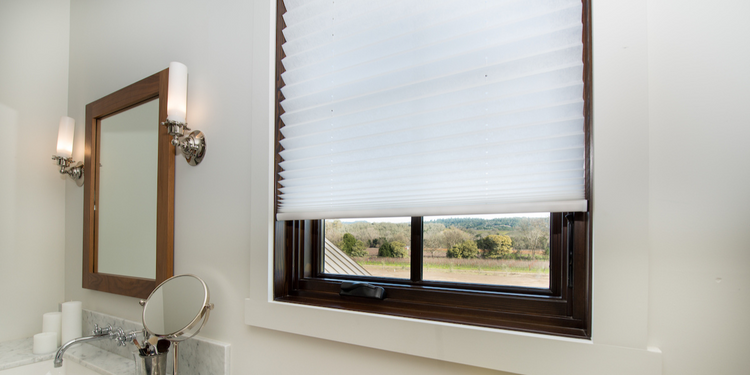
{"x": 191, "y": 143}
{"x": 72, "y": 168}
{"x": 63, "y": 157}
{"x": 108, "y": 332}
{"x": 176, "y": 323}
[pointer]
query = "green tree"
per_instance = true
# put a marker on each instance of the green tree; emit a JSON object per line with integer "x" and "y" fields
{"x": 393, "y": 231}
{"x": 466, "y": 249}
{"x": 496, "y": 247}
{"x": 393, "y": 249}
{"x": 454, "y": 236}
{"x": 352, "y": 246}
{"x": 363, "y": 231}
{"x": 434, "y": 239}
{"x": 535, "y": 232}
{"x": 482, "y": 244}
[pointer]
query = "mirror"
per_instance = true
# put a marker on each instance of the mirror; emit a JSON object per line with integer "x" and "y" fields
{"x": 129, "y": 192}
{"x": 172, "y": 312}
{"x": 175, "y": 308}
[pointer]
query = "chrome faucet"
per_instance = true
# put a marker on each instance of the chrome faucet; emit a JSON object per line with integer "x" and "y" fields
{"x": 98, "y": 334}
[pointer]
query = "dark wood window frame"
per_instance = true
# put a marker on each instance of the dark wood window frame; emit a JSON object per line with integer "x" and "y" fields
{"x": 563, "y": 309}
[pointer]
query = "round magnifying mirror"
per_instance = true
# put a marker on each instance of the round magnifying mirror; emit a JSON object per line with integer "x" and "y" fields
{"x": 176, "y": 307}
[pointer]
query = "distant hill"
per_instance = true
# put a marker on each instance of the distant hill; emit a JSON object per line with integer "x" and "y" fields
{"x": 526, "y": 233}
{"x": 476, "y": 224}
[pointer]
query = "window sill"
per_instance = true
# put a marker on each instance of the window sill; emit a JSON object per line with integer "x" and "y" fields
{"x": 491, "y": 348}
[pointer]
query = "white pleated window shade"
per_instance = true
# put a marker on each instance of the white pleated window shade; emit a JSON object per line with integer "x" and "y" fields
{"x": 415, "y": 108}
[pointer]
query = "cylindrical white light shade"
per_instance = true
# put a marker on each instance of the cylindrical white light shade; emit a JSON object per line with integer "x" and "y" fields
{"x": 52, "y": 322}
{"x": 177, "y": 96}
{"x": 65, "y": 137}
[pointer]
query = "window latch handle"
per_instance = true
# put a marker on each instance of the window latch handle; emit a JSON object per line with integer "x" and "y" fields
{"x": 362, "y": 290}
{"x": 570, "y": 216}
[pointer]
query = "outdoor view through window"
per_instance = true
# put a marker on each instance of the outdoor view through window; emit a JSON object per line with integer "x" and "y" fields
{"x": 482, "y": 249}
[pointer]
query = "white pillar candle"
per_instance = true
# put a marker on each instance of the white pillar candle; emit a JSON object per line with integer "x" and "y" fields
{"x": 45, "y": 342}
{"x": 177, "y": 94}
{"x": 65, "y": 134}
{"x": 72, "y": 320}
{"x": 52, "y": 322}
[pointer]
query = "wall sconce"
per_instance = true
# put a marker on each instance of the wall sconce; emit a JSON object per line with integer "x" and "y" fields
{"x": 192, "y": 144}
{"x": 63, "y": 157}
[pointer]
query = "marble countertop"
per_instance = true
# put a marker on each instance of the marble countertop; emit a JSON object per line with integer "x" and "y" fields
{"x": 17, "y": 353}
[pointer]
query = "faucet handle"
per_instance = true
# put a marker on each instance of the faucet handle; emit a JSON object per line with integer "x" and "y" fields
{"x": 102, "y": 331}
{"x": 124, "y": 338}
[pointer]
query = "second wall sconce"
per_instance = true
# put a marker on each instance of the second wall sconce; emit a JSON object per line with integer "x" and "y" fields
{"x": 63, "y": 156}
{"x": 191, "y": 143}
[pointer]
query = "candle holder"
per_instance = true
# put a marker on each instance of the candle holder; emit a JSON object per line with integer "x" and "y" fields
{"x": 74, "y": 169}
{"x": 192, "y": 144}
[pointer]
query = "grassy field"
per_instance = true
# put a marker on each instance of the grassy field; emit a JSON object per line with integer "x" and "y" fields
{"x": 437, "y": 260}
{"x": 533, "y": 274}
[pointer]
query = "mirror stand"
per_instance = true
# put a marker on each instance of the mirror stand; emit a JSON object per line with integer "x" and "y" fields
{"x": 175, "y": 311}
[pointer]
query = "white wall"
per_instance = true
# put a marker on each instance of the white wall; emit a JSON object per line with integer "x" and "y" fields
{"x": 699, "y": 173}
{"x": 667, "y": 217}
{"x": 33, "y": 97}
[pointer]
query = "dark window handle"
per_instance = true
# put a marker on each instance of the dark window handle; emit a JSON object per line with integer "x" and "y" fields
{"x": 362, "y": 290}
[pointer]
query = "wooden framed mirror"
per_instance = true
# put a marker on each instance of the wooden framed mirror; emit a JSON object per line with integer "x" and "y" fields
{"x": 128, "y": 216}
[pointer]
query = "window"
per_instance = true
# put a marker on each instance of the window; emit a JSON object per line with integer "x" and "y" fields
{"x": 303, "y": 274}
{"x": 499, "y": 250}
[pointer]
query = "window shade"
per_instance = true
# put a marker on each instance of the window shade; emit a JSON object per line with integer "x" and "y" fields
{"x": 415, "y": 108}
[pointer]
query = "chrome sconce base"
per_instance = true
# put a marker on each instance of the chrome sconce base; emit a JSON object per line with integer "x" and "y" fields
{"x": 74, "y": 169}
{"x": 192, "y": 144}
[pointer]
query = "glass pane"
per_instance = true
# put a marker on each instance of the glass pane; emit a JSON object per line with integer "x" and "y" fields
{"x": 488, "y": 249}
{"x": 378, "y": 247}
{"x": 128, "y": 192}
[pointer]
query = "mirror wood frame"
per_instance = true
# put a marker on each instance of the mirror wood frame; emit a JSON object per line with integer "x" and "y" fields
{"x": 145, "y": 90}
